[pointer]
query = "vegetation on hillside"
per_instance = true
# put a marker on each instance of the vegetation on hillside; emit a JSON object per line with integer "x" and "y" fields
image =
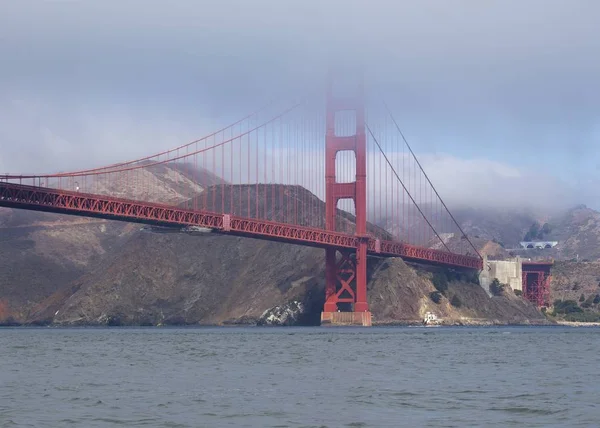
{"x": 496, "y": 288}
{"x": 536, "y": 232}
{"x": 570, "y": 310}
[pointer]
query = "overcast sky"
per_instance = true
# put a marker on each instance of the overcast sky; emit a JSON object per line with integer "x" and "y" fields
{"x": 494, "y": 93}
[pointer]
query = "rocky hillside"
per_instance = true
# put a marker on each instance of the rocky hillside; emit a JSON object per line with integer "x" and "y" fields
{"x": 506, "y": 227}
{"x": 183, "y": 279}
{"x": 69, "y": 270}
{"x": 571, "y": 281}
{"x": 40, "y": 253}
{"x": 577, "y": 230}
{"x": 578, "y": 233}
{"x": 398, "y": 292}
{"x": 180, "y": 279}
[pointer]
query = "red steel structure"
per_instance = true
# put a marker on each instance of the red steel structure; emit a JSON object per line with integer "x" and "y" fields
{"x": 36, "y": 198}
{"x": 283, "y": 174}
{"x": 339, "y": 275}
{"x": 536, "y": 282}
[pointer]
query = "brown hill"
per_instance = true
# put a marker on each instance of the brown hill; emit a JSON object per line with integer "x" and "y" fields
{"x": 177, "y": 278}
{"x": 180, "y": 279}
{"x": 506, "y": 227}
{"x": 398, "y": 292}
{"x": 577, "y": 231}
{"x": 40, "y": 253}
{"x": 571, "y": 280}
{"x": 69, "y": 270}
{"x": 206, "y": 278}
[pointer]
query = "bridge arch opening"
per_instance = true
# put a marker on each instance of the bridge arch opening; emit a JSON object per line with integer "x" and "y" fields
{"x": 345, "y": 123}
{"x": 345, "y": 216}
{"x": 345, "y": 166}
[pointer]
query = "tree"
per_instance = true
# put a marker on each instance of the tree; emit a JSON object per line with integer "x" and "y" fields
{"x": 533, "y": 232}
{"x": 588, "y": 302}
{"x": 456, "y": 302}
{"x": 546, "y": 229}
{"x": 496, "y": 288}
{"x": 440, "y": 282}
{"x": 566, "y": 307}
{"x": 436, "y": 296}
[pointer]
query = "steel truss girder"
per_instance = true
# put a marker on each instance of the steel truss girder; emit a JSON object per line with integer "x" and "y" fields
{"x": 89, "y": 205}
{"x": 539, "y": 292}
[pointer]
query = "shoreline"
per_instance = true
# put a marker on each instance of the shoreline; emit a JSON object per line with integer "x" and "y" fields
{"x": 578, "y": 324}
{"x": 464, "y": 322}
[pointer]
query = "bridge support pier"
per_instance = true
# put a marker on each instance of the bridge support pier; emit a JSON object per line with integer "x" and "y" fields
{"x": 346, "y": 288}
{"x": 346, "y": 276}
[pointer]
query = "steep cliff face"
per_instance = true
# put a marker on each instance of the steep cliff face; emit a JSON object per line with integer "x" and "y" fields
{"x": 571, "y": 280}
{"x": 401, "y": 293}
{"x": 42, "y": 253}
{"x": 180, "y": 279}
{"x": 578, "y": 233}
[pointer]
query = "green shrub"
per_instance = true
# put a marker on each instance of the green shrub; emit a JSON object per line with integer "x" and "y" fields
{"x": 496, "y": 288}
{"x": 495, "y": 241}
{"x": 456, "y": 302}
{"x": 583, "y": 317}
{"x": 566, "y": 307}
{"x": 474, "y": 278}
{"x": 436, "y": 296}
{"x": 535, "y": 232}
{"x": 532, "y": 232}
{"x": 546, "y": 229}
{"x": 440, "y": 282}
{"x": 589, "y": 301}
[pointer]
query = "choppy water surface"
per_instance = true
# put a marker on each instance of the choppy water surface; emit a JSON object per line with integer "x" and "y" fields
{"x": 281, "y": 377}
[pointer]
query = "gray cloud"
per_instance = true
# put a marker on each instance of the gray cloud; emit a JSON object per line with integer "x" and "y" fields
{"x": 512, "y": 82}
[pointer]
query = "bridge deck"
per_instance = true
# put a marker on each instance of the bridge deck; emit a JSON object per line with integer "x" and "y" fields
{"x": 89, "y": 205}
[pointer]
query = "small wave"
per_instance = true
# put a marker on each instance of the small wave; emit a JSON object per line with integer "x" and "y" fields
{"x": 525, "y": 410}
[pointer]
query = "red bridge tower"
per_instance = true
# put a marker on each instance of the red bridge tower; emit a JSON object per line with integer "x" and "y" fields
{"x": 346, "y": 275}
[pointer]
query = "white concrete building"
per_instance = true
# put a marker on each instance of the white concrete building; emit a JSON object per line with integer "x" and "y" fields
{"x": 506, "y": 271}
{"x": 538, "y": 244}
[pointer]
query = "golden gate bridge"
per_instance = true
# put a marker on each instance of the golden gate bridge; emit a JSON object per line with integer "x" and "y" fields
{"x": 329, "y": 173}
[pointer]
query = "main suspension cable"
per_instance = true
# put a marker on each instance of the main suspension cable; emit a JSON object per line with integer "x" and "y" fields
{"x": 405, "y": 189}
{"x": 429, "y": 181}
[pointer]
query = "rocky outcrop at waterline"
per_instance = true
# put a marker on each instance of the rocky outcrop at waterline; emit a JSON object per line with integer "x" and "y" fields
{"x": 288, "y": 314}
{"x": 163, "y": 293}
